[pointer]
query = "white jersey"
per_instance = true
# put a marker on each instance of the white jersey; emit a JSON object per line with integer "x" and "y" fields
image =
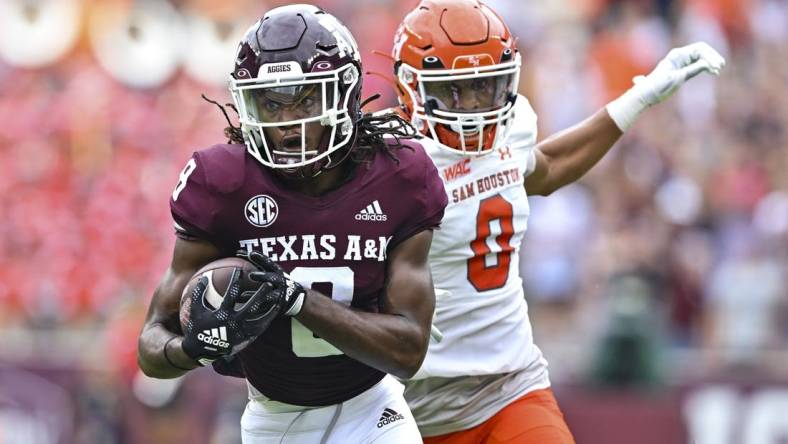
{"x": 481, "y": 309}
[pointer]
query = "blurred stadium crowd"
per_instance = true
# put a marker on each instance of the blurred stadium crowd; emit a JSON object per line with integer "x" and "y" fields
{"x": 665, "y": 266}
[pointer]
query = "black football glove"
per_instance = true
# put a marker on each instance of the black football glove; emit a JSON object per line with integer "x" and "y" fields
{"x": 212, "y": 334}
{"x": 290, "y": 293}
{"x": 229, "y": 366}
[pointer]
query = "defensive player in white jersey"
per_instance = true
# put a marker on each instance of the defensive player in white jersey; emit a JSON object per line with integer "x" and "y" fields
{"x": 457, "y": 69}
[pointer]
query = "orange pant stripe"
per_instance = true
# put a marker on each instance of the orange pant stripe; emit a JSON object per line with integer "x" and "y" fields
{"x": 533, "y": 419}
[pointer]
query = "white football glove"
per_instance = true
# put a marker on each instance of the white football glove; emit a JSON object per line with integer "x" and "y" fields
{"x": 680, "y": 65}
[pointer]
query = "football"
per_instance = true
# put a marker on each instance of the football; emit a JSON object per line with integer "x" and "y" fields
{"x": 219, "y": 273}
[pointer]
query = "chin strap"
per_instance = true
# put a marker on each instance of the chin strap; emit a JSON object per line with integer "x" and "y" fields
{"x": 329, "y": 166}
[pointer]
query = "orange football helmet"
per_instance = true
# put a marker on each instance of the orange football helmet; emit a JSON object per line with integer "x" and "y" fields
{"x": 457, "y": 69}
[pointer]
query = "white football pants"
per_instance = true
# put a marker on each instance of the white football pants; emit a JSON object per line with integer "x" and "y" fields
{"x": 380, "y": 415}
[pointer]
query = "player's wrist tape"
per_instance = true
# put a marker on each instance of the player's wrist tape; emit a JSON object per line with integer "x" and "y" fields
{"x": 297, "y": 305}
{"x": 169, "y": 361}
{"x": 625, "y": 110}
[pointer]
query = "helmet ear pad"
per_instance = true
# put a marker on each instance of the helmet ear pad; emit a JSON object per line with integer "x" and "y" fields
{"x": 351, "y": 96}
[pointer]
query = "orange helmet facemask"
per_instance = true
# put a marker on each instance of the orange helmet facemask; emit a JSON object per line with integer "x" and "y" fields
{"x": 457, "y": 69}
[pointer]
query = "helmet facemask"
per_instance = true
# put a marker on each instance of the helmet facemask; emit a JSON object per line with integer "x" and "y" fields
{"x": 466, "y": 109}
{"x": 291, "y": 120}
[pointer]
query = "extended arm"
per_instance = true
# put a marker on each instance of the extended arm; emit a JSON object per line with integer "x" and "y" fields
{"x": 565, "y": 157}
{"x": 395, "y": 340}
{"x": 161, "y": 323}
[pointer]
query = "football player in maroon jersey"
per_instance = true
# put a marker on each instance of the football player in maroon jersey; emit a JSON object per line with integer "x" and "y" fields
{"x": 339, "y": 219}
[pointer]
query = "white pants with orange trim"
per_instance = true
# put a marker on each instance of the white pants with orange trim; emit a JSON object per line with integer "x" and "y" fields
{"x": 532, "y": 419}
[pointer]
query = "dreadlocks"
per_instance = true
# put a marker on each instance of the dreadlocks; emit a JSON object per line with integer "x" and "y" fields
{"x": 372, "y": 129}
{"x": 233, "y": 133}
{"x": 370, "y": 137}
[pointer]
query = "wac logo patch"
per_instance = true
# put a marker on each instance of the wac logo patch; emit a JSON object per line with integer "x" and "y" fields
{"x": 261, "y": 210}
{"x": 457, "y": 170}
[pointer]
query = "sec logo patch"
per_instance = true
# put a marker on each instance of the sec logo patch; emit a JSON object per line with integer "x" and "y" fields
{"x": 261, "y": 210}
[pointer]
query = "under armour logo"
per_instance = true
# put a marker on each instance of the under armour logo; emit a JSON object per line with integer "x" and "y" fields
{"x": 505, "y": 152}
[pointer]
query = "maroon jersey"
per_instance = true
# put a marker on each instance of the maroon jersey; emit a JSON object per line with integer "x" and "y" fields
{"x": 336, "y": 244}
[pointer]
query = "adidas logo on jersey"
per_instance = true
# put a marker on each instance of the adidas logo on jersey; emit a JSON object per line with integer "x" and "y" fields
{"x": 388, "y": 416}
{"x": 372, "y": 212}
{"x": 215, "y": 336}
